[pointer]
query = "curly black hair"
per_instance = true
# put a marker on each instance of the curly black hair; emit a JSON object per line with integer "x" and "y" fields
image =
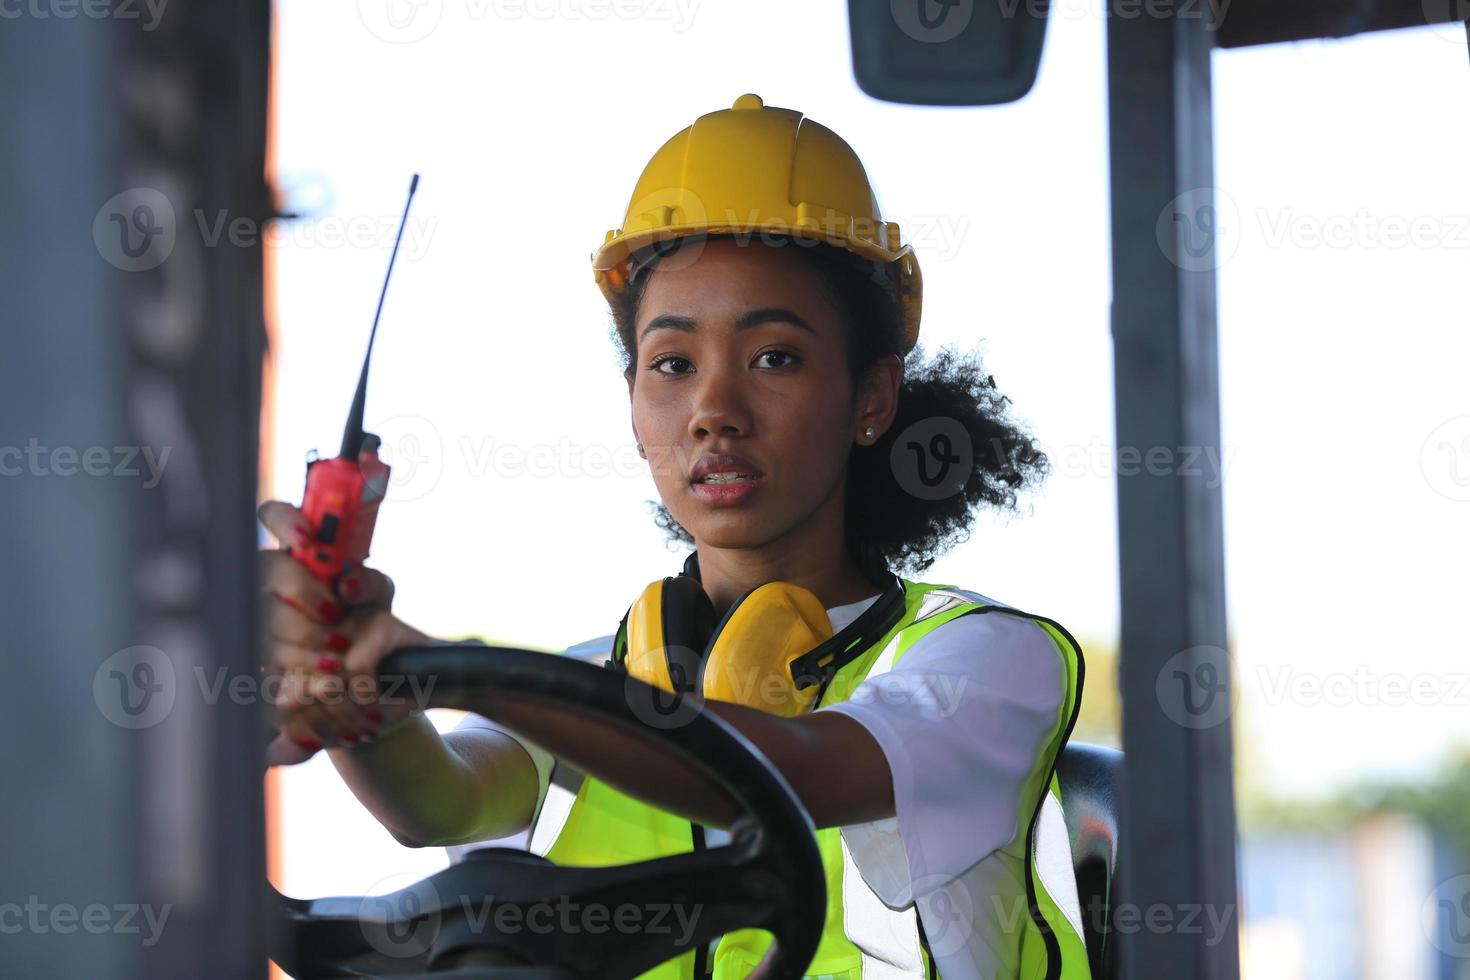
{"x": 887, "y": 522}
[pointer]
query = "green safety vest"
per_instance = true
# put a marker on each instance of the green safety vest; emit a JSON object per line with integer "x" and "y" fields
{"x": 583, "y": 822}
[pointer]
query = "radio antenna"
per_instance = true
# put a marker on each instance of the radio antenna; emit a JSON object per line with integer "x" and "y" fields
{"x": 353, "y": 436}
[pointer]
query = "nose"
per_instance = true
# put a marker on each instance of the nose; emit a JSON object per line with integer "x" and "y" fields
{"x": 721, "y": 404}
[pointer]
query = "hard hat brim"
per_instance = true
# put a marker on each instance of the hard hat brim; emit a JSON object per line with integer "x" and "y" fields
{"x": 610, "y": 262}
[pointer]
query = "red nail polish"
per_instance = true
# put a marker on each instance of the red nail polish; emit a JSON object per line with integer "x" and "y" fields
{"x": 339, "y": 642}
{"x": 303, "y": 535}
{"x": 352, "y": 588}
{"x": 306, "y": 744}
{"x": 376, "y": 716}
{"x": 350, "y": 739}
{"x": 329, "y": 664}
{"x": 329, "y": 610}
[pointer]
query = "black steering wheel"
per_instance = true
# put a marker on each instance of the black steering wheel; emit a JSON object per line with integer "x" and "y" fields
{"x": 453, "y": 925}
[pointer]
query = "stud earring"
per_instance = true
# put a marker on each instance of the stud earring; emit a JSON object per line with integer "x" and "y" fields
{"x": 868, "y": 432}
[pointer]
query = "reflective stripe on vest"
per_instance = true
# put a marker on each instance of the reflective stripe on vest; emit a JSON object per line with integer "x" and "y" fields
{"x": 867, "y": 939}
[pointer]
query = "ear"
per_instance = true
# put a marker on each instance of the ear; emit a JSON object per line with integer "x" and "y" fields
{"x": 631, "y": 426}
{"x": 877, "y": 401}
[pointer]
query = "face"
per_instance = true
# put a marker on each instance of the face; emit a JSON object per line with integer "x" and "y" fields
{"x": 740, "y": 352}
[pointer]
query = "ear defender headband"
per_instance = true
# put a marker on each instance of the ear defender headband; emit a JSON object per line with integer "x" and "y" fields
{"x": 774, "y": 648}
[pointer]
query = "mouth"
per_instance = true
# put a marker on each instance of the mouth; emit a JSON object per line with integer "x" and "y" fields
{"x": 725, "y": 489}
{"x": 726, "y": 478}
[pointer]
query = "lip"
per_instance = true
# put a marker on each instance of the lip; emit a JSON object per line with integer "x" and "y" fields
{"x": 726, "y": 494}
{"x": 723, "y": 463}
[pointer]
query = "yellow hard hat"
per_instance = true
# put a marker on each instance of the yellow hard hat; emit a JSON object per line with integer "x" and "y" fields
{"x": 755, "y": 168}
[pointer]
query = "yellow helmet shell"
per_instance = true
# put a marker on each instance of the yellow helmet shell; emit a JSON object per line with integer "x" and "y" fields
{"x": 755, "y": 168}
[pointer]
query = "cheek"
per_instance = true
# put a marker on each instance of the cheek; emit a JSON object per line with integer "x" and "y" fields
{"x": 659, "y": 426}
{"x": 655, "y": 415}
{"x": 812, "y": 436}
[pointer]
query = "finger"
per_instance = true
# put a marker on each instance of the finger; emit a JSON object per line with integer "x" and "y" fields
{"x": 284, "y": 622}
{"x": 286, "y": 659}
{"x": 284, "y": 752}
{"x": 282, "y": 520}
{"x": 382, "y": 634}
{"x": 348, "y": 704}
{"x": 345, "y": 708}
{"x": 296, "y": 586}
{"x": 374, "y": 636}
{"x": 364, "y": 586}
{"x": 295, "y": 730}
{"x": 312, "y": 703}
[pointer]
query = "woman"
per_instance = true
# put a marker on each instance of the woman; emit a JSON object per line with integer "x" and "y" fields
{"x": 794, "y": 437}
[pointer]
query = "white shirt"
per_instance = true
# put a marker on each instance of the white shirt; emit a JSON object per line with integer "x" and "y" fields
{"x": 961, "y": 718}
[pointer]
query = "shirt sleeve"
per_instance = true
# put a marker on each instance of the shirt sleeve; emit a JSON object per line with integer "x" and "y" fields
{"x": 543, "y": 761}
{"x": 962, "y": 719}
{"x": 591, "y": 651}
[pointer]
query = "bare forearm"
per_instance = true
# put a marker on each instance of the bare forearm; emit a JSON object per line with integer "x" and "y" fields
{"x": 418, "y": 786}
{"x": 830, "y": 761}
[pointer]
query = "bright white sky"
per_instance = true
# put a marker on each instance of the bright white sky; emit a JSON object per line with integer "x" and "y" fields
{"x": 1347, "y": 419}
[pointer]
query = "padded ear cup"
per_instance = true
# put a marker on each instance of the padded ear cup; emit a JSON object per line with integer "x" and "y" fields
{"x": 668, "y": 630}
{"x": 749, "y": 660}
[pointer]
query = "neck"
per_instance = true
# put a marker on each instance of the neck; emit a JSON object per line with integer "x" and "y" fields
{"x": 834, "y": 578}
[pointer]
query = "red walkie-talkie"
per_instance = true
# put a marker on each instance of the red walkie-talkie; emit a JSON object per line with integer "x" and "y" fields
{"x": 342, "y": 494}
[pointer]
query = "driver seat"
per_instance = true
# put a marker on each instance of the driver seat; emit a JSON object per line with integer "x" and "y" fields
{"x": 1087, "y": 776}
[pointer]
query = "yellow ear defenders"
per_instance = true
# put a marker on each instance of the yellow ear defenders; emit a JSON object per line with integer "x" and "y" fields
{"x": 774, "y": 648}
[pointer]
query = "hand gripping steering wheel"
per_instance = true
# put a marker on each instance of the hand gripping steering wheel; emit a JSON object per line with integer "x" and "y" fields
{"x": 505, "y": 914}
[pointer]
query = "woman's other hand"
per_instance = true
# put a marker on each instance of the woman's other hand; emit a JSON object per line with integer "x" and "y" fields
{"x": 324, "y": 651}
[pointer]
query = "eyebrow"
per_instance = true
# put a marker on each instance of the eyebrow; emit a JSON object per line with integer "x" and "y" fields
{"x": 751, "y": 318}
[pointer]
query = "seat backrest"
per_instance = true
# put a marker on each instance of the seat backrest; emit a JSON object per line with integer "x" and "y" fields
{"x": 1088, "y": 778}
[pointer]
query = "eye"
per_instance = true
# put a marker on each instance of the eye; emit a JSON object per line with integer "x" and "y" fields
{"x": 658, "y": 363}
{"x": 790, "y": 358}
